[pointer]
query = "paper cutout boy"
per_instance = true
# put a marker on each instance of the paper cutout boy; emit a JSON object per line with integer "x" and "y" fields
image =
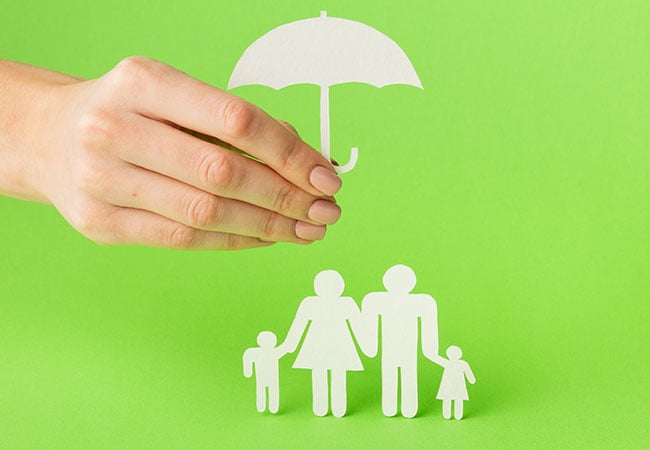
{"x": 452, "y": 386}
{"x": 267, "y": 373}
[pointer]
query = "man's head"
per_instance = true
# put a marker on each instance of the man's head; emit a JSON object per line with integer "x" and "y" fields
{"x": 399, "y": 279}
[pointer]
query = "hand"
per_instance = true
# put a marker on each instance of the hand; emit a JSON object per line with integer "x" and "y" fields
{"x": 112, "y": 156}
{"x": 285, "y": 348}
{"x": 438, "y": 360}
{"x": 282, "y": 349}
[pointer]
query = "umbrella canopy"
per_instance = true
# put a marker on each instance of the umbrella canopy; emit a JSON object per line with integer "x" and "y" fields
{"x": 324, "y": 51}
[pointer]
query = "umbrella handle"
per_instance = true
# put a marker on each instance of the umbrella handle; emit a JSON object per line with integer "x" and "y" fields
{"x": 354, "y": 156}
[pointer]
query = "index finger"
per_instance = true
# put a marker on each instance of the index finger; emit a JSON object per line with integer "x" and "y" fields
{"x": 164, "y": 93}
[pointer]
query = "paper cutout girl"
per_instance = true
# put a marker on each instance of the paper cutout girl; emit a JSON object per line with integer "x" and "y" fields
{"x": 328, "y": 345}
{"x": 452, "y": 386}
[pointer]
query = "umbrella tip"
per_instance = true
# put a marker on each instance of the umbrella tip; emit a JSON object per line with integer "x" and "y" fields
{"x": 323, "y": 14}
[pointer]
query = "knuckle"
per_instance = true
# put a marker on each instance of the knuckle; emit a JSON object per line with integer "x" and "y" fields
{"x": 239, "y": 118}
{"x": 204, "y": 211}
{"x": 132, "y": 71}
{"x": 86, "y": 218}
{"x": 233, "y": 242}
{"x": 285, "y": 199}
{"x": 269, "y": 226}
{"x": 98, "y": 129}
{"x": 289, "y": 156}
{"x": 179, "y": 236}
{"x": 218, "y": 171}
{"x": 290, "y": 127}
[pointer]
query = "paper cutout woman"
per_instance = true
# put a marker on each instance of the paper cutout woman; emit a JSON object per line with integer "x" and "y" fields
{"x": 452, "y": 386}
{"x": 328, "y": 345}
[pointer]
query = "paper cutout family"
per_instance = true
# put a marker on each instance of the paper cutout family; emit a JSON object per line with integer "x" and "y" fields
{"x": 328, "y": 346}
{"x": 324, "y": 51}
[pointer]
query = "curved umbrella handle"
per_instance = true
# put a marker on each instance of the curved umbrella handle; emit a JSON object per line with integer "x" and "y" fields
{"x": 354, "y": 156}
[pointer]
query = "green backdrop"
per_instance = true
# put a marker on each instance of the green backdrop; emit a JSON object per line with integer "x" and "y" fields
{"x": 516, "y": 185}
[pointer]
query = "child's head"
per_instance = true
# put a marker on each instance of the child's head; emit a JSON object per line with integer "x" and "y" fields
{"x": 266, "y": 339}
{"x": 454, "y": 352}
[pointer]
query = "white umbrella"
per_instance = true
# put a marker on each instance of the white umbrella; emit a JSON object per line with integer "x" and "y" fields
{"x": 324, "y": 51}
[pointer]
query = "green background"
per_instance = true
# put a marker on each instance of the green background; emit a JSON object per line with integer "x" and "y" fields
{"x": 516, "y": 185}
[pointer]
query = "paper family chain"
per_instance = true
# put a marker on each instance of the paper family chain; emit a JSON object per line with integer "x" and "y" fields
{"x": 328, "y": 346}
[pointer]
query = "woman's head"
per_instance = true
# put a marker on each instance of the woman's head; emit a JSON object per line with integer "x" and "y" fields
{"x": 329, "y": 283}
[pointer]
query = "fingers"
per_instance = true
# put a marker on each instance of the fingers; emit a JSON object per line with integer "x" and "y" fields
{"x": 145, "y": 190}
{"x": 171, "y": 152}
{"x": 164, "y": 93}
{"x": 126, "y": 226}
{"x": 139, "y": 227}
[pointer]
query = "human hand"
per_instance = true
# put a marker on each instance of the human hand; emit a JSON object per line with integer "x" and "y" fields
{"x": 113, "y": 159}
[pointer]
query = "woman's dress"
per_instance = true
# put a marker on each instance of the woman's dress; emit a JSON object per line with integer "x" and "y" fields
{"x": 328, "y": 344}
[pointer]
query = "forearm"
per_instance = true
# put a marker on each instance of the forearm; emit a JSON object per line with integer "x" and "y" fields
{"x": 26, "y": 109}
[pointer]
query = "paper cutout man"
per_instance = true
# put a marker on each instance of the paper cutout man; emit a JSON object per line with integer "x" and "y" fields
{"x": 399, "y": 311}
{"x": 328, "y": 345}
{"x": 452, "y": 386}
{"x": 267, "y": 374}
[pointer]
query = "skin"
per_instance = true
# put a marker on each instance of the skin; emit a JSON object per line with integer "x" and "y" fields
{"x": 147, "y": 155}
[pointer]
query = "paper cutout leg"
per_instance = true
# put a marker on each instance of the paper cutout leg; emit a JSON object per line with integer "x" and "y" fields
{"x": 260, "y": 401}
{"x": 319, "y": 391}
{"x": 389, "y": 390}
{"x": 409, "y": 380}
{"x": 274, "y": 398}
{"x": 339, "y": 395}
{"x": 458, "y": 409}
{"x": 446, "y": 409}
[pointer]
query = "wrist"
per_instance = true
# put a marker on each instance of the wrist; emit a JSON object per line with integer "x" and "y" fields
{"x": 27, "y": 115}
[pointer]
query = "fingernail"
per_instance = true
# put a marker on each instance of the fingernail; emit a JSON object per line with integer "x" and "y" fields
{"x": 322, "y": 211}
{"x": 310, "y": 232}
{"x": 325, "y": 180}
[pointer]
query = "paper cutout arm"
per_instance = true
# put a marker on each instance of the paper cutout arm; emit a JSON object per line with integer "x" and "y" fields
{"x": 248, "y": 362}
{"x": 469, "y": 374}
{"x": 429, "y": 318}
{"x": 439, "y": 360}
{"x": 281, "y": 350}
{"x": 370, "y": 309}
{"x": 297, "y": 328}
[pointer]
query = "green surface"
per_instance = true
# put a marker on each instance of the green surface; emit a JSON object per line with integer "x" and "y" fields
{"x": 516, "y": 185}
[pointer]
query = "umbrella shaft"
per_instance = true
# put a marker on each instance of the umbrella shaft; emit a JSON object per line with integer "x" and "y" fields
{"x": 325, "y": 121}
